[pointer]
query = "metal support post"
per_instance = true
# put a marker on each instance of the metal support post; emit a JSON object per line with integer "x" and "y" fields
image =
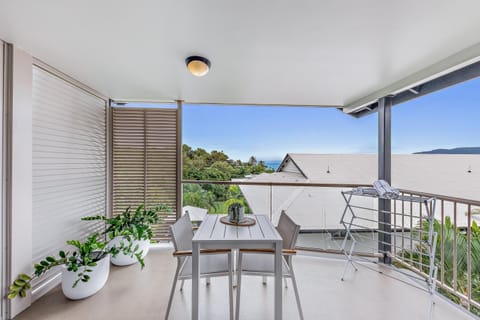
{"x": 384, "y": 173}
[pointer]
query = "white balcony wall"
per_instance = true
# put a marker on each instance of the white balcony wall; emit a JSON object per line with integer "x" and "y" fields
{"x": 54, "y": 166}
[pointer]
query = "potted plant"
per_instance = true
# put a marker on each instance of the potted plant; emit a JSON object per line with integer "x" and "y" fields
{"x": 131, "y": 232}
{"x": 85, "y": 269}
{"x": 236, "y": 211}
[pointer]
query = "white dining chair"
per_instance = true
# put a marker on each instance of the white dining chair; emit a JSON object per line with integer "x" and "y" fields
{"x": 260, "y": 262}
{"x": 213, "y": 263}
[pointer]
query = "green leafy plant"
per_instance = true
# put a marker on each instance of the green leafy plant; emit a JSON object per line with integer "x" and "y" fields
{"x": 454, "y": 240}
{"x": 85, "y": 256}
{"x": 237, "y": 202}
{"x": 131, "y": 225}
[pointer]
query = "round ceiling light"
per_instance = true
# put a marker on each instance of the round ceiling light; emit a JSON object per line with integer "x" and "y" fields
{"x": 198, "y": 66}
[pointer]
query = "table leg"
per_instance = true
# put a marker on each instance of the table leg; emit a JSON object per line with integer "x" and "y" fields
{"x": 278, "y": 281}
{"x": 195, "y": 278}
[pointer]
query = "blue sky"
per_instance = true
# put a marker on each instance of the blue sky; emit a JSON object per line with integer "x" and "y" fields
{"x": 445, "y": 119}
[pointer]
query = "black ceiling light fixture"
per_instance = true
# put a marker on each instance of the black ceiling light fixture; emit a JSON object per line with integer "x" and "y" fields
{"x": 198, "y": 66}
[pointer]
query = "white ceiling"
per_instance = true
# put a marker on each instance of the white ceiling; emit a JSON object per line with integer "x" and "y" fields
{"x": 330, "y": 52}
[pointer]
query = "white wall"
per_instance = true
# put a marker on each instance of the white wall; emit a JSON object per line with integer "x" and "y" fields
{"x": 20, "y": 196}
{"x": 21, "y": 184}
{"x": 2, "y": 211}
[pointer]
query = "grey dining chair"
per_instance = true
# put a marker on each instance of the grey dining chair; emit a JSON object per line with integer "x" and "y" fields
{"x": 260, "y": 262}
{"x": 213, "y": 263}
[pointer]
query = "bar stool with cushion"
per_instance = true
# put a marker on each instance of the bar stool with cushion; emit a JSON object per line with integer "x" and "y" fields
{"x": 260, "y": 262}
{"x": 213, "y": 263}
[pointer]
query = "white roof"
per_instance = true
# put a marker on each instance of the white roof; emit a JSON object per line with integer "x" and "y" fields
{"x": 304, "y": 52}
{"x": 443, "y": 174}
{"x": 196, "y": 213}
{"x": 274, "y": 177}
{"x": 321, "y": 208}
{"x": 258, "y": 197}
{"x": 311, "y": 207}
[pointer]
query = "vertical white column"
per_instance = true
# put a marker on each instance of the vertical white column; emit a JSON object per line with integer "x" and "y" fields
{"x": 21, "y": 172}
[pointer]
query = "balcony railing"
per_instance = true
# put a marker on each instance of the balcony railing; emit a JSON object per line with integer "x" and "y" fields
{"x": 318, "y": 207}
{"x": 458, "y": 247}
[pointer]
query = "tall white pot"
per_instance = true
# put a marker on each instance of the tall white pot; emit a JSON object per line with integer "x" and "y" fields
{"x": 123, "y": 259}
{"x": 98, "y": 278}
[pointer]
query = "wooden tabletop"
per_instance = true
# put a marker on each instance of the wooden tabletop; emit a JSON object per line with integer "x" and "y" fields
{"x": 212, "y": 230}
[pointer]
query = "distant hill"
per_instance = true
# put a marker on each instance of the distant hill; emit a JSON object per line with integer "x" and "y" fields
{"x": 466, "y": 150}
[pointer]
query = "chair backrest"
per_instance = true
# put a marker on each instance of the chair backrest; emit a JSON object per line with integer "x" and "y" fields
{"x": 182, "y": 233}
{"x": 289, "y": 230}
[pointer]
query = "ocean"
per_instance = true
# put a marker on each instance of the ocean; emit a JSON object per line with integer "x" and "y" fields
{"x": 274, "y": 164}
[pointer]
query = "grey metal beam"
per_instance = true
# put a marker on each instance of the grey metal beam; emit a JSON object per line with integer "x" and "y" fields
{"x": 467, "y": 73}
{"x": 464, "y": 74}
{"x": 384, "y": 173}
{"x": 456, "y": 61}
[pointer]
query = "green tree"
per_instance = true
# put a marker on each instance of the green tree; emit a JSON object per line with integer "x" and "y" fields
{"x": 449, "y": 234}
{"x": 199, "y": 164}
{"x": 195, "y": 195}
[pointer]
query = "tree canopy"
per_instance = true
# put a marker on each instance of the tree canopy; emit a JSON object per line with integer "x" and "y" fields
{"x": 199, "y": 164}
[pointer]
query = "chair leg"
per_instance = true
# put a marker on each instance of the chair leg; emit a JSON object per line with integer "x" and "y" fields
{"x": 235, "y": 267}
{"x": 172, "y": 292}
{"x": 181, "y": 285}
{"x": 294, "y": 282}
{"x": 264, "y": 280}
{"x": 239, "y": 286}
{"x": 285, "y": 282}
{"x": 230, "y": 284}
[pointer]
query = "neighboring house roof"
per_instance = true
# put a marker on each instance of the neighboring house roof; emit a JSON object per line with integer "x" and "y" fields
{"x": 196, "y": 213}
{"x": 446, "y": 174}
{"x": 275, "y": 177}
{"x": 319, "y": 208}
{"x": 258, "y": 197}
{"x": 311, "y": 207}
{"x": 333, "y": 168}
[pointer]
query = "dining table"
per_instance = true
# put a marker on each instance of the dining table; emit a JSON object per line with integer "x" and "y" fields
{"x": 215, "y": 234}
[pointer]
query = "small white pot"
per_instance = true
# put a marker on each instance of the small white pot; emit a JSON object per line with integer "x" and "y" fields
{"x": 124, "y": 260}
{"x": 98, "y": 278}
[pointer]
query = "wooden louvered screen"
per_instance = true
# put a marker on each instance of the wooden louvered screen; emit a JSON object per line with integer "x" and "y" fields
{"x": 144, "y": 162}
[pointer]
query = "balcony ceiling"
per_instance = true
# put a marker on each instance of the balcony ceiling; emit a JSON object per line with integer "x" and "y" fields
{"x": 328, "y": 53}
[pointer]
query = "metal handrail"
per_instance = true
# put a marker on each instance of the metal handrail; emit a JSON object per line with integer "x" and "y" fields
{"x": 329, "y": 185}
{"x": 276, "y": 184}
{"x": 443, "y": 197}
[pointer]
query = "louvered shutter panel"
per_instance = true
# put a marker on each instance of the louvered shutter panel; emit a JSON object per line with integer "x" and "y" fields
{"x": 69, "y": 162}
{"x": 144, "y": 162}
{"x": 128, "y": 159}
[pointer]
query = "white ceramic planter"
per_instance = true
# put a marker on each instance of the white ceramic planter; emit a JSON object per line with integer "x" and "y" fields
{"x": 124, "y": 260}
{"x": 98, "y": 278}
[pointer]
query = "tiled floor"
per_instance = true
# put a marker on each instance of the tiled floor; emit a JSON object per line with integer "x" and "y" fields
{"x": 134, "y": 294}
